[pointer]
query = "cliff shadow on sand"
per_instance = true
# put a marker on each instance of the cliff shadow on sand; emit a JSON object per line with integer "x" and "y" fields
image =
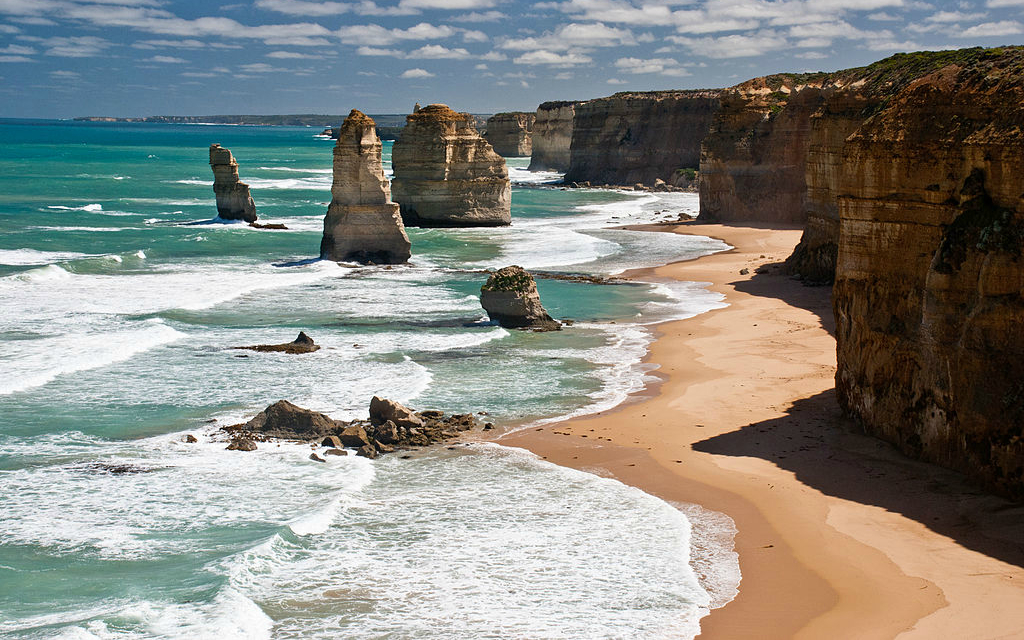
{"x": 826, "y": 451}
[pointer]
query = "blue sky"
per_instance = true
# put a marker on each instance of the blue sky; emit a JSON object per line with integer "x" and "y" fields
{"x": 65, "y": 58}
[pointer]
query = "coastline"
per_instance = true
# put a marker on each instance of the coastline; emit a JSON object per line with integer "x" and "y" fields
{"x": 838, "y": 535}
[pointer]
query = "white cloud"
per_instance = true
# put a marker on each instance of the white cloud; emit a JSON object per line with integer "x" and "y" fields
{"x": 470, "y": 35}
{"x": 479, "y": 16}
{"x": 664, "y": 66}
{"x": 166, "y": 60}
{"x": 574, "y": 35}
{"x": 452, "y": 5}
{"x": 15, "y": 59}
{"x": 615, "y": 81}
{"x": 953, "y": 16}
{"x": 436, "y": 51}
{"x": 882, "y": 16}
{"x": 494, "y": 56}
{"x": 293, "y": 55}
{"x": 6, "y": 28}
{"x": 263, "y": 67}
{"x": 993, "y": 29}
{"x": 1005, "y": 3}
{"x": 481, "y": 67}
{"x": 67, "y": 75}
{"x": 416, "y": 73}
{"x": 374, "y": 34}
{"x": 71, "y": 46}
{"x": 378, "y": 51}
{"x": 304, "y": 8}
{"x": 18, "y": 50}
{"x": 811, "y": 55}
{"x": 734, "y": 46}
{"x": 542, "y": 56}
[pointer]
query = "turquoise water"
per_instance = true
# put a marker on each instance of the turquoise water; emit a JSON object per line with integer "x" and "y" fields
{"x": 121, "y": 298}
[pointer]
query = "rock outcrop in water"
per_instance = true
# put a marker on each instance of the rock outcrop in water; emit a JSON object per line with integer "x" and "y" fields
{"x": 929, "y": 292}
{"x": 301, "y": 344}
{"x": 631, "y": 138}
{"x": 511, "y": 133}
{"x": 233, "y": 199}
{"x": 447, "y": 175}
{"x": 552, "y": 136}
{"x": 391, "y": 426}
{"x": 510, "y": 298}
{"x": 362, "y": 224}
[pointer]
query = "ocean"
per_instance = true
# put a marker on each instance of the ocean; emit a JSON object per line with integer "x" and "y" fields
{"x": 121, "y": 297}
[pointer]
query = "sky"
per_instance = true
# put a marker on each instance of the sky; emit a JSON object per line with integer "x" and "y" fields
{"x": 131, "y": 58}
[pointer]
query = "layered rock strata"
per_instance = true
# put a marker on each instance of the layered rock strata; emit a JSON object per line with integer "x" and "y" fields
{"x": 510, "y": 298}
{"x": 234, "y": 202}
{"x": 511, "y": 134}
{"x": 362, "y": 223}
{"x": 633, "y": 138}
{"x": 447, "y": 175}
{"x": 929, "y": 292}
{"x": 552, "y": 136}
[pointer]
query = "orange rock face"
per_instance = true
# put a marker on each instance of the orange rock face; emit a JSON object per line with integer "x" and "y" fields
{"x": 930, "y": 274}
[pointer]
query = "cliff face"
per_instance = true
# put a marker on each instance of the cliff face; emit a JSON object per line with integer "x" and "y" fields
{"x": 446, "y": 174}
{"x": 552, "y": 136}
{"x": 362, "y": 224}
{"x": 233, "y": 199}
{"x": 511, "y": 134}
{"x": 753, "y": 161}
{"x": 930, "y": 273}
{"x": 639, "y": 137}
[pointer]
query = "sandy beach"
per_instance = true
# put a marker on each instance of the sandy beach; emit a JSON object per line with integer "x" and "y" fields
{"x": 838, "y": 535}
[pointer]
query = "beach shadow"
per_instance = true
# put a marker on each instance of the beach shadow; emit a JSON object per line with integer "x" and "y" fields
{"x": 827, "y": 451}
{"x": 771, "y": 282}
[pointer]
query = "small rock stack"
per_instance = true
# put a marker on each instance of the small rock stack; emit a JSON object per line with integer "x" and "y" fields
{"x": 510, "y": 298}
{"x": 234, "y": 202}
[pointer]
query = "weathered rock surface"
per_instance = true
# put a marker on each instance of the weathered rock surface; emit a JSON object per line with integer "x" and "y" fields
{"x": 640, "y": 137}
{"x": 383, "y": 411}
{"x": 301, "y": 344}
{"x": 362, "y": 224}
{"x": 447, "y": 175}
{"x": 929, "y": 292}
{"x": 510, "y": 298}
{"x": 552, "y": 136}
{"x": 511, "y": 133}
{"x": 288, "y": 421}
{"x": 233, "y": 199}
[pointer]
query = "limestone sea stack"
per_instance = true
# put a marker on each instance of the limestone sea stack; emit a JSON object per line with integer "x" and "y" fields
{"x": 552, "y": 136}
{"x": 233, "y": 199}
{"x": 511, "y": 134}
{"x": 447, "y": 175}
{"x": 510, "y": 298}
{"x": 362, "y": 223}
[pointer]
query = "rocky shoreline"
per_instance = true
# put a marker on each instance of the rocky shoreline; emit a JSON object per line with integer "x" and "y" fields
{"x": 391, "y": 427}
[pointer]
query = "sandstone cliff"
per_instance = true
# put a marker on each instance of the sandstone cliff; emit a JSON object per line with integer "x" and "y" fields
{"x": 233, "y": 199}
{"x": 510, "y": 298}
{"x": 446, "y": 174}
{"x": 362, "y": 224}
{"x": 640, "y": 137}
{"x": 929, "y": 280}
{"x": 552, "y": 136}
{"x": 511, "y": 134}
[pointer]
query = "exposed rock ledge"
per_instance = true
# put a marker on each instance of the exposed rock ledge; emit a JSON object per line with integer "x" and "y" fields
{"x": 391, "y": 426}
{"x": 301, "y": 344}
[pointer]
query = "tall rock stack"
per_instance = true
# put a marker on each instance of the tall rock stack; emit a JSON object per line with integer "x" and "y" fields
{"x": 510, "y": 298}
{"x": 233, "y": 199}
{"x": 362, "y": 223}
{"x": 511, "y": 133}
{"x": 447, "y": 175}
{"x": 552, "y": 136}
